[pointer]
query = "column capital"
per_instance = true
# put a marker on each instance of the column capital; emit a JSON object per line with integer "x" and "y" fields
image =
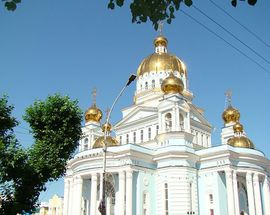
{"x": 78, "y": 180}
{"x": 121, "y": 175}
{"x": 249, "y": 177}
{"x": 94, "y": 176}
{"x": 129, "y": 173}
{"x": 229, "y": 173}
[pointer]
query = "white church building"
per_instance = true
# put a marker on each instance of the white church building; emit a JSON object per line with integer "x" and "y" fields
{"x": 160, "y": 159}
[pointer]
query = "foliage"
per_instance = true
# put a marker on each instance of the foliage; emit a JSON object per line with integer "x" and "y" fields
{"x": 157, "y": 10}
{"x": 142, "y": 10}
{"x": 56, "y": 127}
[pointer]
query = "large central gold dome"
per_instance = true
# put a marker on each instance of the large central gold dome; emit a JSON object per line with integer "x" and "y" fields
{"x": 161, "y": 60}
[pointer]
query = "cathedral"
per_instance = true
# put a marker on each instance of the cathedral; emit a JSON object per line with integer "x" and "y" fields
{"x": 159, "y": 156}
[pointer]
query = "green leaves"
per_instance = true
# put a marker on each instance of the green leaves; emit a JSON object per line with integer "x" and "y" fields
{"x": 157, "y": 10}
{"x": 56, "y": 126}
{"x": 11, "y": 5}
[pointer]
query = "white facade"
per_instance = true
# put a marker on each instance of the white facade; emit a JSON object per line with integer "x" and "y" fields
{"x": 165, "y": 164}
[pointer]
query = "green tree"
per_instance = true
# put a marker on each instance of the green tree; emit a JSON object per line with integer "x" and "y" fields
{"x": 56, "y": 128}
{"x": 142, "y": 10}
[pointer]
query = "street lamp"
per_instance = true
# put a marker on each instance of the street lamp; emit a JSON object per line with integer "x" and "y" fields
{"x": 102, "y": 206}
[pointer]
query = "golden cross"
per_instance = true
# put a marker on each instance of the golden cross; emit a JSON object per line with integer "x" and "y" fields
{"x": 160, "y": 27}
{"x": 94, "y": 94}
{"x": 228, "y": 97}
{"x": 107, "y": 112}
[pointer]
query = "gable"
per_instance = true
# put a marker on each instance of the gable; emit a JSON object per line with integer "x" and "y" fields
{"x": 138, "y": 113}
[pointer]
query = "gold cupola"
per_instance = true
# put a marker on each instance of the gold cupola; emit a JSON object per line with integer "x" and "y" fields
{"x": 172, "y": 84}
{"x": 111, "y": 141}
{"x": 93, "y": 113}
{"x": 99, "y": 142}
{"x": 161, "y": 60}
{"x": 239, "y": 140}
{"x": 230, "y": 114}
{"x": 106, "y": 127}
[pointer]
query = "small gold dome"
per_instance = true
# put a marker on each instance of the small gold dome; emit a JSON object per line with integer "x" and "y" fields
{"x": 161, "y": 61}
{"x": 93, "y": 114}
{"x": 231, "y": 115}
{"x": 241, "y": 141}
{"x": 161, "y": 41}
{"x": 172, "y": 84}
{"x": 99, "y": 143}
{"x": 106, "y": 127}
{"x": 238, "y": 127}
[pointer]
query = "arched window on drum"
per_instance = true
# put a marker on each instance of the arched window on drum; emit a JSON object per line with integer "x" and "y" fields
{"x": 85, "y": 144}
{"x": 168, "y": 121}
{"x": 153, "y": 84}
{"x": 181, "y": 121}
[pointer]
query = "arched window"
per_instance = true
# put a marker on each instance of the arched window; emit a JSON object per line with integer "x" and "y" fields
{"x": 127, "y": 139}
{"x": 166, "y": 199}
{"x": 168, "y": 121}
{"x": 134, "y": 137}
{"x": 153, "y": 83}
{"x": 141, "y": 135}
{"x": 157, "y": 128}
{"x": 146, "y": 203}
{"x": 160, "y": 81}
{"x": 181, "y": 121}
{"x": 146, "y": 85}
{"x": 149, "y": 133}
{"x": 211, "y": 198}
{"x": 85, "y": 144}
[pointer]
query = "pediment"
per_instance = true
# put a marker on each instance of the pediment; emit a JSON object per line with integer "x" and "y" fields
{"x": 196, "y": 115}
{"x": 139, "y": 113}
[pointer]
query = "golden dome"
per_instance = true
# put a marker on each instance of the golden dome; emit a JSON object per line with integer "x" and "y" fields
{"x": 241, "y": 141}
{"x": 106, "y": 127}
{"x": 161, "y": 60}
{"x": 231, "y": 115}
{"x": 99, "y": 143}
{"x": 161, "y": 41}
{"x": 238, "y": 127}
{"x": 93, "y": 114}
{"x": 172, "y": 84}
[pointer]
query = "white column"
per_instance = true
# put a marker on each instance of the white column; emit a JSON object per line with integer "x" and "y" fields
{"x": 108, "y": 206}
{"x": 173, "y": 119}
{"x": 71, "y": 196}
{"x": 266, "y": 196}
{"x": 230, "y": 196}
{"x": 121, "y": 203}
{"x": 93, "y": 197}
{"x": 177, "y": 113}
{"x": 257, "y": 194}
{"x": 129, "y": 192}
{"x": 160, "y": 125}
{"x": 66, "y": 195}
{"x": 250, "y": 193}
{"x": 77, "y": 201}
{"x": 236, "y": 195}
{"x": 100, "y": 186}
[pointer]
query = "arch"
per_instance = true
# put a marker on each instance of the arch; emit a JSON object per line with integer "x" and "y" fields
{"x": 243, "y": 198}
{"x": 181, "y": 121}
{"x": 168, "y": 121}
{"x": 153, "y": 83}
{"x": 85, "y": 144}
{"x": 146, "y": 85}
{"x": 146, "y": 203}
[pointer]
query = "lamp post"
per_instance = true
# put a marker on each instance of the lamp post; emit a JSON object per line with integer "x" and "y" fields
{"x": 102, "y": 205}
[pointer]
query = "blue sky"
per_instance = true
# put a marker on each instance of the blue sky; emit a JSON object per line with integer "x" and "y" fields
{"x": 69, "y": 47}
